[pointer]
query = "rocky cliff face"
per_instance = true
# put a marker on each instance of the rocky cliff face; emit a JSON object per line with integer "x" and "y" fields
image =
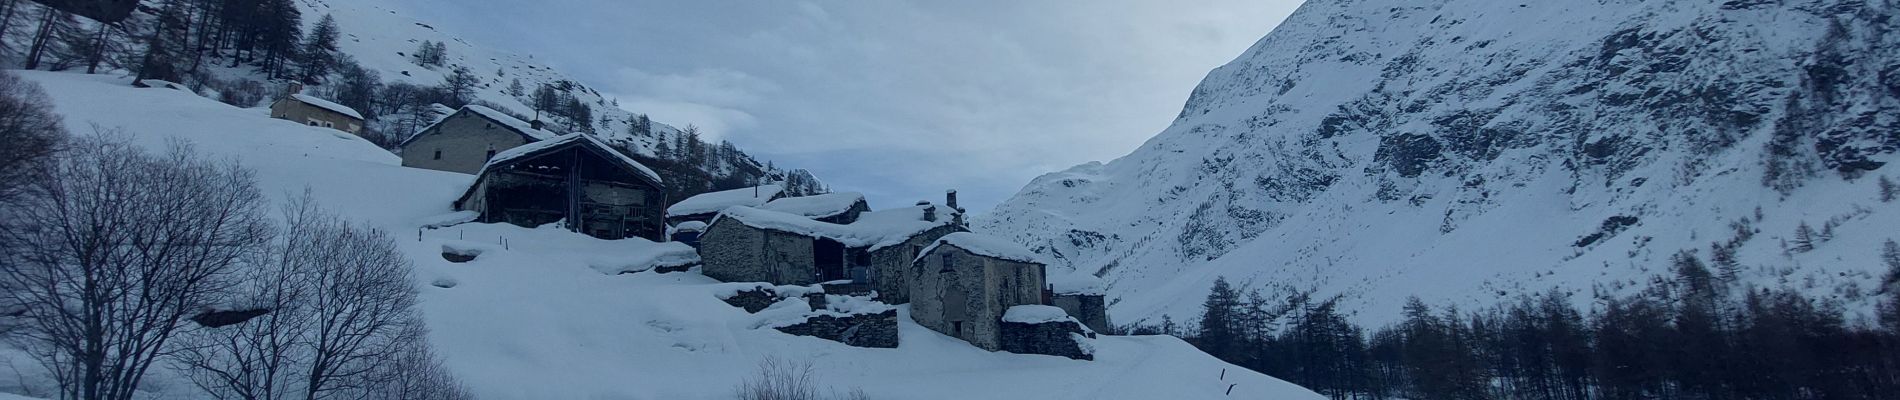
{"x": 1464, "y": 150}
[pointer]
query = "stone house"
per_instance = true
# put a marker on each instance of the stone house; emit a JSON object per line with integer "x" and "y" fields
{"x": 745, "y": 244}
{"x": 466, "y": 140}
{"x": 964, "y": 283}
{"x": 309, "y": 110}
{"x": 573, "y": 178}
{"x": 704, "y": 206}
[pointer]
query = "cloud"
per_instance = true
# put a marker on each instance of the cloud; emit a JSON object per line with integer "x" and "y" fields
{"x": 716, "y": 86}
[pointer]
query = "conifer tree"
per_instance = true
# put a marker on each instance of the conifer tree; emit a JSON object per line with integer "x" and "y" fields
{"x": 165, "y": 46}
{"x": 320, "y": 50}
{"x": 1890, "y": 255}
{"x": 1888, "y": 190}
{"x": 1803, "y": 238}
{"x": 1724, "y": 259}
{"x": 460, "y": 86}
{"x": 1219, "y": 333}
{"x": 546, "y": 100}
{"x": 1890, "y": 284}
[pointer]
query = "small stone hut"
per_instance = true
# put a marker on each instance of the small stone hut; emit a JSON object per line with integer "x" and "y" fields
{"x": 309, "y": 110}
{"x": 704, "y": 206}
{"x": 687, "y": 232}
{"x": 466, "y": 140}
{"x": 964, "y": 283}
{"x": 1082, "y": 296}
{"x": 573, "y": 178}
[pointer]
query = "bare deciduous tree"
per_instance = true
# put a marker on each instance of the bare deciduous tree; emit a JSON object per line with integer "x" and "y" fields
{"x": 361, "y": 301}
{"x": 782, "y": 379}
{"x": 341, "y": 315}
{"x": 413, "y": 372}
{"x": 262, "y": 358}
{"x": 115, "y": 248}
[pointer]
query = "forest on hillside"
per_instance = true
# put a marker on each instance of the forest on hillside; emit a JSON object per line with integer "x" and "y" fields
{"x": 1693, "y": 335}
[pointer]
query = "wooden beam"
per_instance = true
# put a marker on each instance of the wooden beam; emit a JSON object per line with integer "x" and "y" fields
{"x": 574, "y": 219}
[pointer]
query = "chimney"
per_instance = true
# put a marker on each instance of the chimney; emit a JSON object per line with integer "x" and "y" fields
{"x": 950, "y": 199}
{"x": 930, "y": 211}
{"x": 296, "y": 87}
{"x": 536, "y": 124}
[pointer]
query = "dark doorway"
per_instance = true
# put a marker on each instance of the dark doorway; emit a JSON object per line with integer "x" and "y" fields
{"x": 829, "y": 256}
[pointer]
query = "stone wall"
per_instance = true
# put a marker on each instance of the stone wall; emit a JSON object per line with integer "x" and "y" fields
{"x": 862, "y": 330}
{"x": 463, "y": 140}
{"x": 732, "y": 251}
{"x": 1049, "y": 338}
{"x": 790, "y": 259}
{"x": 1092, "y": 310}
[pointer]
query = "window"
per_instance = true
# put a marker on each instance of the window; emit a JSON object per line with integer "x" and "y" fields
{"x": 313, "y": 122}
{"x": 438, "y": 154}
{"x": 949, "y": 262}
{"x": 956, "y": 328}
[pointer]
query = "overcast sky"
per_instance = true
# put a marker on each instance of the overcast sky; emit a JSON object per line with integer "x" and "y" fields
{"x": 896, "y": 99}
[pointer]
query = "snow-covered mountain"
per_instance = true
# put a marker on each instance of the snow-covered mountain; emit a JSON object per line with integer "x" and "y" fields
{"x": 1469, "y": 150}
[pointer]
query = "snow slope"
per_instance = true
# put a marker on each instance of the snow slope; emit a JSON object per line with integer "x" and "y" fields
{"x": 1468, "y": 151}
{"x": 545, "y": 313}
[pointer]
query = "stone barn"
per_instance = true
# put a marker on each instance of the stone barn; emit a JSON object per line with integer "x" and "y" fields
{"x": 965, "y": 282}
{"x": 747, "y": 244}
{"x": 1083, "y": 296}
{"x": 838, "y": 208}
{"x": 309, "y": 110}
{"x": 704, "y": 206}
{"x": 573, "y": 178}
{"x": 466, "y": 140}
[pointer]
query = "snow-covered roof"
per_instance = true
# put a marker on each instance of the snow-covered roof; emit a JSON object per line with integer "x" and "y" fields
{"x": 816, "y": 206}
{"x": 690, "y": 226}
{"x": 1078, "y": 283}
{"x": 898, "y": 224}
{"x": 525, "y": 150}
{"x": 1035, "y": 314}
{"x": 510, "y": 121}
{"x": 873, "y": 231}
{"x": 525, "y": 129}
{"x": 718, "y": 201}
{"x": 327, "y": 105}
{"x": 985, "y": 245}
